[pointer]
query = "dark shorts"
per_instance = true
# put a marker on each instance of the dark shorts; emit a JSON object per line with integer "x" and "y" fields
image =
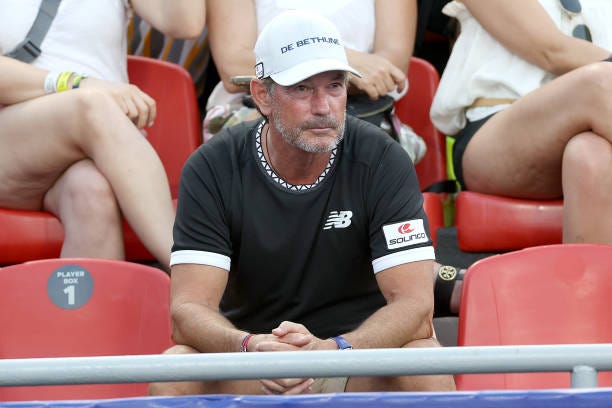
{"x": 461, "y": 141}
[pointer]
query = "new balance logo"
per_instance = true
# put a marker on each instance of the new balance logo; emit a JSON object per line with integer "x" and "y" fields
{"x": 338, "y": 219}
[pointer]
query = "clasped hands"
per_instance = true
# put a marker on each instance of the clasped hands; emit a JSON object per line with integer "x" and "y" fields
{"x": 288, "y": 336}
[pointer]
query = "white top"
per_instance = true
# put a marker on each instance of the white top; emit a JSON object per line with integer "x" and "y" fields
{"x": 480, "y": 67}
{"x": 347, "y": 15}
{"x": 86, "y": 36}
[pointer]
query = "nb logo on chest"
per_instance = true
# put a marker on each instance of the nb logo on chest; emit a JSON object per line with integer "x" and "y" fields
{"x": 338, "y": 219}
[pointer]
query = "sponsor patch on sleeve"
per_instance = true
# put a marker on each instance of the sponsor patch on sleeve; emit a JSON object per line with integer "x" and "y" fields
{"x": 405, "y": 234}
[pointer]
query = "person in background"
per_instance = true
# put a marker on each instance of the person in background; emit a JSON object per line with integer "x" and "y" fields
{"x": 379, "y": 38}
{"x": 528, "y": 97}
{"x": 303, "y": 230}
{"x": 69, "y": 125}
{"x": 193, "y": 54}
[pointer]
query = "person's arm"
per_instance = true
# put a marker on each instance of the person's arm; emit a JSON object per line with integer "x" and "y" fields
{"x": 385, "y": 68}
{"x": 396, "y": 22}
{"x": 196, "y": 292}
{"x": 176, "y": 18}
{"x": 196, "y": 319}
{"x": 232, "y": 33}
{"x": 19, "y": 81}
{"x": 408, "y": 314}
{"x": 524, "y": 27}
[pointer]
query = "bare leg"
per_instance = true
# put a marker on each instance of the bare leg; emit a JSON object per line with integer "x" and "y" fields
{"x": 41, "y": 138}
{"x": 85, "y": 204}
{"x": 354, "y": 384}
{"x": 202, "y": 387}
{"x": 520, "y": 152}
{"x": 587, "y": 186}
{"x": 404, "y": 383}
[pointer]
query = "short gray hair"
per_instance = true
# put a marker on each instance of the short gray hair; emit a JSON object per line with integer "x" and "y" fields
{"x": 270, "y": 85}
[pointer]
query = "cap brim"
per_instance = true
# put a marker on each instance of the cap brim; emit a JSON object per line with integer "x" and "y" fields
{"x": 307, "y": 69}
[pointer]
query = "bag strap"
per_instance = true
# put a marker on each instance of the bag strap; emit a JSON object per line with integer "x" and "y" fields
{"x": 29, "y": 49}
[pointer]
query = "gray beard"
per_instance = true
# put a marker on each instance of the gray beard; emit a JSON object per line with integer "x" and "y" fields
{"x": 294, "y": 137}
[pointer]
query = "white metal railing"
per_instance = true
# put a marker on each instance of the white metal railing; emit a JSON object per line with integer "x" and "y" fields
{"x": 583, "y": 361}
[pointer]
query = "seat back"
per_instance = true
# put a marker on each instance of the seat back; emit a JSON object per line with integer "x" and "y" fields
{"x": 432, "y": 204}
{"x": 82, "y": 307}
{"x": 29, "y": 235}
{"x": 552, "y": 294}
{"x": 413, "y": 109}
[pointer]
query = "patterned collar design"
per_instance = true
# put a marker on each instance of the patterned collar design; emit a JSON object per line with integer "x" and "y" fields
{"x": 276, "y": 178}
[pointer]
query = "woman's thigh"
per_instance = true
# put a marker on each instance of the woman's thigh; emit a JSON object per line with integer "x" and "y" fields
{"x": 518, "y": 152}
{"x": 38, "y": 141}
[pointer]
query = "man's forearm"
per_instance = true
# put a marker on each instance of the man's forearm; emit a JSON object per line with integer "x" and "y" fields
{"x": 205, "y": 329}
{"x": 395, "y": 325}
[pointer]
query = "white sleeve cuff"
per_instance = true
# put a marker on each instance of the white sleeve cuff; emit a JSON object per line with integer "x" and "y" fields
{"x": 201, "y": 258}
{"x": 399, "y": 258}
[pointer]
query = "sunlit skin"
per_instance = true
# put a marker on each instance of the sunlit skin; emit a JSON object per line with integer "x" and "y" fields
{"x": 319, "y": 102}
{"x": 306, "y": 124}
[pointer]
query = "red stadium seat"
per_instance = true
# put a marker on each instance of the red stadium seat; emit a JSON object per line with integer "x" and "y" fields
{"x": 488, "y": 223}
{"x": 82, "y": 307}
{"x": 29, "y": 235}
{"x": 550, "y": 294}
{"x": 413, "y": 109}
{"x": 432, "y": 204}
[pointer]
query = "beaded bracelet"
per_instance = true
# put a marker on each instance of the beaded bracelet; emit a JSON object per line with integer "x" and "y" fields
{"x": 245, "y": 342}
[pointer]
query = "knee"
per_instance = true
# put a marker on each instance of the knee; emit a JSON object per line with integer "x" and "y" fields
{"x": 587, "y": 158}
{"x": 94, "y": 109}
{"x": 181, "y": 349}
{"x": 596, "y": 85}
{"x": 176, "y": 388}
{"x": 90, "y": 197}
{"x": 423, "y": 343}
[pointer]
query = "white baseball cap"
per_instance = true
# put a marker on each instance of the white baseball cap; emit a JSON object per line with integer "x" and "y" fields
{"x": 298, "y": 44}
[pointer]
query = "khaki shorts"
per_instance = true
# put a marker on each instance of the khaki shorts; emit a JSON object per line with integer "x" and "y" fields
{"x": 329, "y": 385}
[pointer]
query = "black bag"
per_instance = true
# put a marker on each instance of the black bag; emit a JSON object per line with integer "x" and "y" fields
{"x": 375, "y": 112}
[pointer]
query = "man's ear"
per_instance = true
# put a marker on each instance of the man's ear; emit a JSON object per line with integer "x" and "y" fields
{"x": 261, "y": 96}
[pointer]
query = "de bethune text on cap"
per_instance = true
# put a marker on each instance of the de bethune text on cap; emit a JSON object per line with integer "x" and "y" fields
{"x": 298, "y": 44}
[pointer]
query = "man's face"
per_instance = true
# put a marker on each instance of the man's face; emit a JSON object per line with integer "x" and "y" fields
{"x": 310, "y": 114}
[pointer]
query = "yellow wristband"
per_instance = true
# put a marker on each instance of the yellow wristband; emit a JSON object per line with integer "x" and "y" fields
{"x": 62, "y": 81}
